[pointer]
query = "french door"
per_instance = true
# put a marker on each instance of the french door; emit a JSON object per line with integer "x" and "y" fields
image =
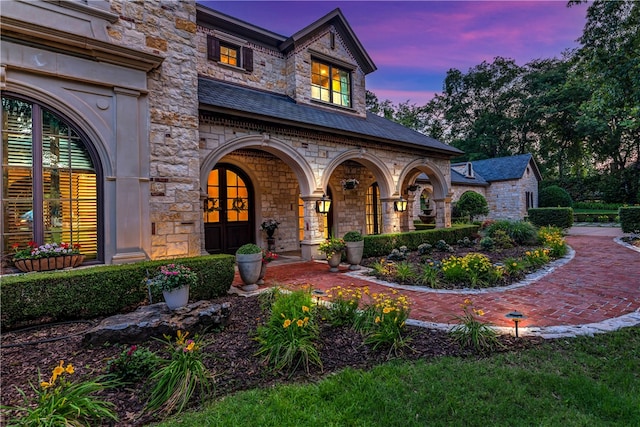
{"x": 228, "y": 210}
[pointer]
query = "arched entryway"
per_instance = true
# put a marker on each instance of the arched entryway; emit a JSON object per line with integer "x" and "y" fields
{"x": 229, "y": 220}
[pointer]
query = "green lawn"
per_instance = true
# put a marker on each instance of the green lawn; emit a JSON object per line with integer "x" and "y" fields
{"x": 586, "y": 381}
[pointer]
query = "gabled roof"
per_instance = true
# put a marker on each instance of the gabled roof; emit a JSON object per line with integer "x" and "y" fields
{"x": 211, "y": 18}
{"x": 208, "y": 17}
{"x": 504, "y": 168}
{"x": 337, "y": 19}
{"x": 234, "y": 100}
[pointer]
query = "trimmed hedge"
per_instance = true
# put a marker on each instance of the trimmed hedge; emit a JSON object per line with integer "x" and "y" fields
{"x": 102, "y": 290}
{"x": 629, "y": 219}
{"x": 382, "y": 244}
{"x": 556, "y": 217}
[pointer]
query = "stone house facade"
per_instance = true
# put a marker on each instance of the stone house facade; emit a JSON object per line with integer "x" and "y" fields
{"x": 151, "y": 130}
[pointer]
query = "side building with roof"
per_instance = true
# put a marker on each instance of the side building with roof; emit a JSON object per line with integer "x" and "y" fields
{"x": 510, "y": 185}
{"x": 167, "y": 129}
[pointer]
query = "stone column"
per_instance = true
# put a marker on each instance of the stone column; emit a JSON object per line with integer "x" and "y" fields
{"x": 313, "y": 235}
{"x": 131, "y": 210}
{"x": 390, "y": 218}
{"x": 443, "y": 212}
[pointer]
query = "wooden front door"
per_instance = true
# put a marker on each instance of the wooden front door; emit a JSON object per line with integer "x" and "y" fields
{"x": 228, "y": 210}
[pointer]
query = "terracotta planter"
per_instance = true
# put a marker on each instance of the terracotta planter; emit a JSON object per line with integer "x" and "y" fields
{"x": 249, "y": 266}
{"x": 334, "y": 262}
{"x": 354, "y": 254}
{"x": 47, "y": 264}
{"x": 176, "y": 298}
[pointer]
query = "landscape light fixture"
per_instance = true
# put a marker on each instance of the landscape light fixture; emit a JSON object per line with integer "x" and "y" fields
{"x": 400, "y": 205}
{"x": 323, "y": 205}
{"x": 516, "y": 316}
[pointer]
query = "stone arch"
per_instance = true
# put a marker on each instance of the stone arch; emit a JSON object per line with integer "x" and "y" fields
{"x": 380, "y": 170}
{"x": 437, "y": 178}
{"x": 299, "y": 165}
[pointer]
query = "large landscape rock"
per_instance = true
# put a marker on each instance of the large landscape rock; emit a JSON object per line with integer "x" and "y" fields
{"x": 157, "y": 320}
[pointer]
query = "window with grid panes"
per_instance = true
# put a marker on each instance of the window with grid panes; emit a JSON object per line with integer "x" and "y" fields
{"x": 49, "y": 183}
{"x": 330, "y": 84}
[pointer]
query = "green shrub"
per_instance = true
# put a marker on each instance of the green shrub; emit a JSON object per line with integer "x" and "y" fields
{"x": 554, "y": 196}
{"x": 552, "y": 239}
{"x": 177, "y": 381}
{"x": 556, "y": 217}
{"x": 249, "y": 248}
{"x": 630, "y": 219}
{"x": 288, "y": 340}
{"x": 521, "y": 232}
{"x": 353, "y": 236}
{"x": 133, "y": 364}
{"x": 594, "y": 206}
{"x": 472, "y": 204}
{"x": 382, "y": 244}
{"x": 85, "y": 293}
{"x": 62, "y": 402}
{"x": 473, "y": 333}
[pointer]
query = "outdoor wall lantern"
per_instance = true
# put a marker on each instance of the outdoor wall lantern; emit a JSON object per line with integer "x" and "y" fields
{"x": 323, "y": 205}
{"x": 516, "y": 316}
{"x": 400, "y": 205}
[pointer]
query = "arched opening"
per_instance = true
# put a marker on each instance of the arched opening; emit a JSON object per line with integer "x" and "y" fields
{"x": 51, "y": 180}
{"x": 228, "y": 210}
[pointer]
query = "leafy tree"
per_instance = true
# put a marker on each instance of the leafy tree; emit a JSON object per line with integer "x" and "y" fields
{"x": 472, "y": 204}
{"x": 608, "y": 65}
{"x": 554, "y": 196}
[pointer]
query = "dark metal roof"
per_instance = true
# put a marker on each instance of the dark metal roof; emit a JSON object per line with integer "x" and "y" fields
{"x": 503, "y": 168}
{"x": 241, "y": 101}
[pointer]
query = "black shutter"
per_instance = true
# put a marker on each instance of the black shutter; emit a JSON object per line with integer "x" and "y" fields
{"x": 213, "y": 48}
{"x": 247, "y": 58}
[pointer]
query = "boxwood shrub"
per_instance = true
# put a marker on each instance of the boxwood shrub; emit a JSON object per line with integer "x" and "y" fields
{"x": 556, "y": 217}
{"x": 629, "y": 219}
{"x": 85, "y": 293}
{"x": 382, "y": 244}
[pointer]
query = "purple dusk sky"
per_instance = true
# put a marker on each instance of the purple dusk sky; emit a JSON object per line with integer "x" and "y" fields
{"x": 415, "y": 43}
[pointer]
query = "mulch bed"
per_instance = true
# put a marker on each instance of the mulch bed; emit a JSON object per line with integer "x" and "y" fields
{"x": 229, "y": 356}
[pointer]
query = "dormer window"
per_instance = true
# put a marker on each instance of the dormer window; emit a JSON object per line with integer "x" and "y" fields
{"x": 330, "y": 83}
{"x": 469, "y": 171}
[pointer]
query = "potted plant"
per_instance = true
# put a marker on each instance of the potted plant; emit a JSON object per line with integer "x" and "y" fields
{"x": 174, "y": 280}
{"x": 267, "y": 257}
{"x": 332, "y": 248}
{"x": 50, "y": 256}
{"x": 349, "y": 183}
{"x": 249, "y": 261}
{"x": 270, "y": 225}
{"x": 354, "y": 242}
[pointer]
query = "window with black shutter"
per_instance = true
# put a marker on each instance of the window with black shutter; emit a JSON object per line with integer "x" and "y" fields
{"x": 228, "y": 53}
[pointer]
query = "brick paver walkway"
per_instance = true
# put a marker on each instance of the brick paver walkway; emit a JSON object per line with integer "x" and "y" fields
{"x": 601, "y": 282}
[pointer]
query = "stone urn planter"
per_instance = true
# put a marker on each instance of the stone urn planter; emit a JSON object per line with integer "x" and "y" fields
{"x": 354, "y": 254}
{"x": 49, "y": 263}
{"x": 176, "y": 298}
{"x": 334, "y": 262}
{"x": 263, "y": 271}
{"x": 332, "y": 248}
{"x": 249, "y": 262}
{"x": 355, "y": 248}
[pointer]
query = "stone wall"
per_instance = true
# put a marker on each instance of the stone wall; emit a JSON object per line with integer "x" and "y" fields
{"x": 290, "y": 75}
{"x": 169, "y": 28}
